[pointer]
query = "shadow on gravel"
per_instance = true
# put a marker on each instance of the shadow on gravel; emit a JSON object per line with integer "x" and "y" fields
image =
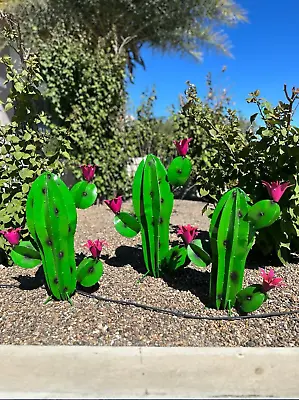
{"x": 31, "y": 282}
{"x": 125, "y": 255}
{"x": 193, "y": 280}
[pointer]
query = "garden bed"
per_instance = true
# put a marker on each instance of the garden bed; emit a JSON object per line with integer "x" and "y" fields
{"x": 24, "y": 319}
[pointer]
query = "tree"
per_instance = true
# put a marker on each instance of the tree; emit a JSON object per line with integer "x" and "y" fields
{"x": 170, "y": 25}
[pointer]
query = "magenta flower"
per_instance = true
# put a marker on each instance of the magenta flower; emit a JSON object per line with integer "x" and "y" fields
{"x": 269, "y": 280}
{"x": 182, "y": 146}
{"x": 12, "y": 235}
{"x": 88, "y": 172}
{"x": 114, "y": 204}
{"x": 96, "y": 247}
{"x": 187, "y": 232}
{"x": 276, "y": 189}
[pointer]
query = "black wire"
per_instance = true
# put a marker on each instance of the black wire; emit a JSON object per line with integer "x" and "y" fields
{"x": 175, "y": 313}
{"x": 185, "y": 315}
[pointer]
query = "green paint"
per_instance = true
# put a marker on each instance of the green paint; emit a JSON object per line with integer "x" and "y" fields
{"x": 51, "y": 220}
{"x": 153, "y": 204}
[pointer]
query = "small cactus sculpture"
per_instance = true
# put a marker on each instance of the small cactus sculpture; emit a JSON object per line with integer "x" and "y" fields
{"x": 253, "y": 296}
{"x": 51, "y": 219}
{"x": 232, "y": 233}
{"x": 153, "y": 203}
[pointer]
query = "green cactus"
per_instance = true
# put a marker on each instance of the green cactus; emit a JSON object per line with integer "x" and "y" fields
{"x": 232, "y": 233}
{"x": 51, "y": 219}
{"x": 250, "y": 298}
{"x": 153, "y": 203}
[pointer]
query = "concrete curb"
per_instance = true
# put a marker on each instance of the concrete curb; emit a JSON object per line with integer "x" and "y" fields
{"x": 147, "y": 372}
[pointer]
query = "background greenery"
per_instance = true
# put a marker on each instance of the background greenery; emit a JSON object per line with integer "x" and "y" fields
{"x": 70, "y": 106}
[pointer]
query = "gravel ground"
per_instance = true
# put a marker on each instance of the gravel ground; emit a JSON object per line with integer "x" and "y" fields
{"x": 25, "y": 320}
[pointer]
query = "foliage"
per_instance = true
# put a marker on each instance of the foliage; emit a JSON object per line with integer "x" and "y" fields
{"x": 30, "y": 144}
{"x": 85, "y": 93}
{"x": 217, "y": 141}
{"x": 149, "y": 134}
{"x": 274, "y": 156}
{"x": 161, "y": 24}
{"x": 225, "y": 155}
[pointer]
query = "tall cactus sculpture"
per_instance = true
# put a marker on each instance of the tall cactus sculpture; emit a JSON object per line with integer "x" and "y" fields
{"x": 232, "y": 234}
{"x": 51, "y": 219}
{"x": 153, "y": 203}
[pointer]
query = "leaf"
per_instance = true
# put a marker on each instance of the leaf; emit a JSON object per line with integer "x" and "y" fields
{"x": 8, "y": 106}
{"x": 26, "y": 173}
{"x": 253, "y": 117}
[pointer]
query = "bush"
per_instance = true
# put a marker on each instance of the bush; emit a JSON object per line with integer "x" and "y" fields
{"x": 218, "y": 137}
{"x": 27, "y": 144}
{"x": 86, "y": 96}
{"x": 148, "y": 134}
{"x": 274, "y": 156}
{"x": 227, "y": 152}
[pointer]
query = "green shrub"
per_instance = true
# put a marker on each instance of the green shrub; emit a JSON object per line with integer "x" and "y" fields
{"x": 148, "y": 134}
{"x": 218, "y": 138}
{"x": 227, "y": 153}
{"x": 274, "y": 156}
{"x": 30, "y": 144}
{"x": 86, "y": 95}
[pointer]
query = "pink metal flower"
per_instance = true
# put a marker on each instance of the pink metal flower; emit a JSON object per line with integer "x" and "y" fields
{"x": 12, "y": 235}
{"x": 88, "y": 172}
{"x": 114, "y": 204}
{"x": 276, "y": 189}
{"x": 96, "y": 247}
{"x": 182, "y": 146}
{"x": 187, "y": 232}
{"x": 269, "y": 280}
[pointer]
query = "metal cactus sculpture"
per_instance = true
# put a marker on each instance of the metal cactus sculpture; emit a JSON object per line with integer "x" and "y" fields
{"x": 153, "y": 203}
{"x": 232, "y": 234}
{"x": 51, "y": 219}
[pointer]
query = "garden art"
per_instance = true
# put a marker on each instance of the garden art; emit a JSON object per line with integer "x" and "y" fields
{"x": 178, "y": 286}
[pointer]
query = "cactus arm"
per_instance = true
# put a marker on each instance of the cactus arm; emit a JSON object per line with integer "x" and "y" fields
{"x": 89, "y": 271}
{"x": 224, "y": 247}
{"x": 198, "y": 256}
{"x": 136, "y": 191}
{"x": 25, "y": 255}
{"x": 263, "y": 213}
{"x": 137, "y": 197}
{"x": 36, "y": 208}
{"x": 213, "y": 231}
{"x": 250, "y": 298}
{"x": 166, "y": 200}
{"x": 179, "y": 171}
{"x": 239, "y": 249}
{"x": 84, "y": 194}
{"x": 59, "y": 210}
{"x": 126, "y": 224}
{"x": 57, "y": 226}
{"x": 152, "y": 212}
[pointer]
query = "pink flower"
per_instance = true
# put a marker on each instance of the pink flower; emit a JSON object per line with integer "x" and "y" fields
{"x": 88, "y": 172}
{"x": 12, "y": 235}
{"x": 96, "y": 247}
{"x": 114, "y": 204}
{"x": 269, "y": 280}
{"x": 187, "y": 232}
{"x": 182, "y": 146}
{"x": 276, "y": 189}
